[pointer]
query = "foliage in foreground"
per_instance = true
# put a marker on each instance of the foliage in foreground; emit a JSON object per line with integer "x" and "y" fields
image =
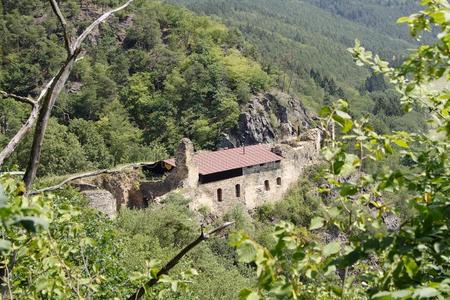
{"x": 408, "y": 260}
{"x": 54, "y": 247}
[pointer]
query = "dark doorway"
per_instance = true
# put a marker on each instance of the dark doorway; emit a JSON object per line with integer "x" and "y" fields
{"x": 238, "y": 190}
{"x": 219, "y": 195}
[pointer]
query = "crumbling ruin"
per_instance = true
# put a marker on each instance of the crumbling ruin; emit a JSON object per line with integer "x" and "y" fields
{"x": 218, "y": 180}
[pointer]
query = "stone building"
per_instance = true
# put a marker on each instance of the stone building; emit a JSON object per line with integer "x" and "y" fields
{"x": 250, "y": 175}
{"x": 222, "y": 179}
{"x": 218, "y": 180}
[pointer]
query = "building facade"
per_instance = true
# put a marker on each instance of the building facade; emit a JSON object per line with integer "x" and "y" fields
{"x": 249, "y": 176}
{"x": 217, "y": 180}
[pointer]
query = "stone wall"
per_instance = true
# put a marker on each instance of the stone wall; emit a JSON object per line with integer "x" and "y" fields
{"x": 123, "y": 185}
{"x": 103, "y": 201}
{"x": 258, "y": 185}
{"x": 253, "y": 192}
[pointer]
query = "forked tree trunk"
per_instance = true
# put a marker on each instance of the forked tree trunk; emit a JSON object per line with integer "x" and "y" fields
{"x": 57, "y": 84}
{"x": 43, "y": 118}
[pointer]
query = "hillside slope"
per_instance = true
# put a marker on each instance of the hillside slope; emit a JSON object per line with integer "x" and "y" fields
{"x": 151, "y": 75}
{"x": 305, "y": 43}
{"x": 298, "y": 36}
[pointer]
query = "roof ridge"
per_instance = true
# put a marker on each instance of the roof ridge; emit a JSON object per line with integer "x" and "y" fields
{"x": 227, "y": 159}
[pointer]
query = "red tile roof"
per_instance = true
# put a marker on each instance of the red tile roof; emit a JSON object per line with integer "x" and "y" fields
{"x": 229, "y": 159}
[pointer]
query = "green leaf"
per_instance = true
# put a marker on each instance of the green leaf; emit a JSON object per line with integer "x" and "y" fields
{"x": 401, "y": 294}
{"x": 401, "y": 143}
{"x": 438, "y": 17}
{"x": 410, "y": 266}
{"x": 382, "y": 296}
{"x": 330, "y": 249}
{"x": 403, "y": 20}
{"x": 247, "y": 294}
{"x": 348, "y": 125}
{"x": 325, "y": 111}
{"x": 348, "y": 189}
{"x": 246, "y": 252}
{"x": 426, "y": 292}
{"x": 337, "y": 290}
{"x": 4, "y": 244}
{"x": 316, "y": 223}
{"x": 343, "y": 115}
{"x": 333, "y": 212}
{"x": 330, "y": 271}
{"x": 388, "y": 148}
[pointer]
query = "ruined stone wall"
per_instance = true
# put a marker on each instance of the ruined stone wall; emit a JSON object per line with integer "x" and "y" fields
{"x": 103, "y": 201}
{"x": 128, "y": 189}
{"x": 123, "y": 185}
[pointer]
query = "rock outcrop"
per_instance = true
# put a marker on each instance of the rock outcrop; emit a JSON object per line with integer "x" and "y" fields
{"x": 268, "y": 118}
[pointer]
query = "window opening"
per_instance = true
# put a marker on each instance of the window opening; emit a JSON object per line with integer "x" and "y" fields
{"x": 238, "y": 190}
{"x": 267, "y": 185}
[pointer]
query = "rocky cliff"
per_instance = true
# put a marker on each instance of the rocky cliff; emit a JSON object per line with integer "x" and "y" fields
{"x": 267, "y": 118}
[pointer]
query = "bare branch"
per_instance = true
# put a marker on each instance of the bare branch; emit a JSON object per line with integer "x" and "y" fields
{"x": 91, "y": 27}
{"x": 63, "y": 22}
{"x": 88, "y": 174}
{"x": 22, "y": 99}
{"x": 12, "y": 144}
{"x": 13, "y": 173}
{"x": 53, "y": 93}
{"x": 174, "y": 261}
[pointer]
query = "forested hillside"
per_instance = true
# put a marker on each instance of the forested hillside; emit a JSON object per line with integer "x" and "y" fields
{"x": 369, "y": 221}
{"x": 160, "y": 73}
{"x": 306, "y": 42}
{"x": 146, "y": 79}
{"x": 300, "y": 35}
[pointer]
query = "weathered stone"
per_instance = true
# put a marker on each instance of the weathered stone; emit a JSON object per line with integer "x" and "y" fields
{"x": 103, "y": 201}
{"x": 186, "y": 172}
{"x": 268, "y": 118}
{"x": 312, "y": 135}
{"x": 119, "y": 184}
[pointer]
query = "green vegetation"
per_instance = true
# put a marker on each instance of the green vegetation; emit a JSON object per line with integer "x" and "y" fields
{"x": 305, "y": 43}
{"x": 370, "y": 258}
{"x": 63, "y": 249}
{"x": 146, "y": 82}
{"x": 175, "y": 74}
{"x": 171, "y": 74}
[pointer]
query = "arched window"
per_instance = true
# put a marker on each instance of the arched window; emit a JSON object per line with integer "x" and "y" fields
{"x": 278, "y": 180}
{"x": 219, "y": 195}
{"x": 238, "y": 190}
{"x": 267, "y": 185}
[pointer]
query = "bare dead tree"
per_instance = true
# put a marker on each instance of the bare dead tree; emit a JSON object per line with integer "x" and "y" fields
{"x": 43, "y": 105}
{"x": 12, "y": 144}
{"x": 73, "y": 50}
{"x": 174, "y": 261}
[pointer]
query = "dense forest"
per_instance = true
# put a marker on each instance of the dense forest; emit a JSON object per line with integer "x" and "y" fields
{"x": 137, "y": 90}
{"x": 306, "y": 42}
{"x": 370, "y": 221}
{"x": 148, "y": 80}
